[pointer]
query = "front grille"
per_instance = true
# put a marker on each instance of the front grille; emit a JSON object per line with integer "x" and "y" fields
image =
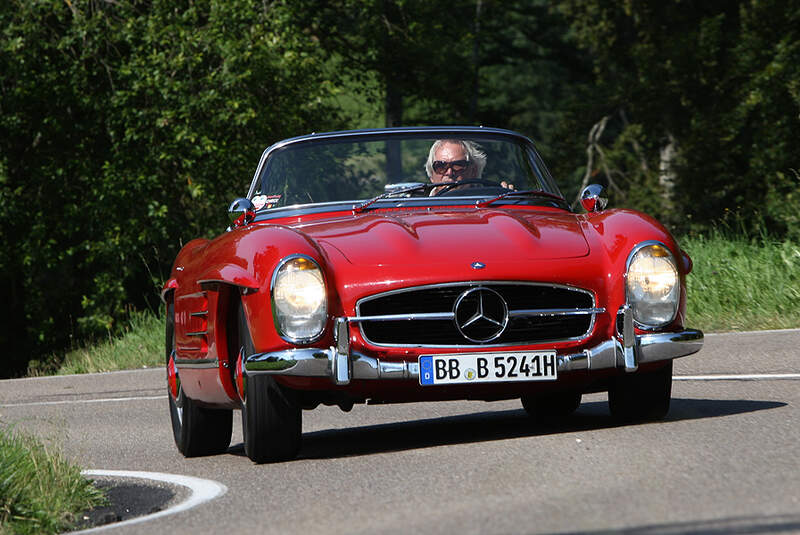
{"x": 424, "y": 316}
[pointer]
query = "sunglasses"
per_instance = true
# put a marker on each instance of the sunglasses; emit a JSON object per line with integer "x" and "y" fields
{"x": 440, "y": 167}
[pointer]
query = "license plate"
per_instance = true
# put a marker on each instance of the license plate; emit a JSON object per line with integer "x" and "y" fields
{"x": 487, "y": 368}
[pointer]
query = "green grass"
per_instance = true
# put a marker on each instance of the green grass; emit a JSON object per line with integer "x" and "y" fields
{"x": 141, "y": 345}
{"x": 742, "y": 283}
{"x": 40, "y": 492}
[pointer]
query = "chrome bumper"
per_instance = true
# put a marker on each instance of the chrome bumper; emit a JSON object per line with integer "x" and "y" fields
{"x": 342, "y": 365}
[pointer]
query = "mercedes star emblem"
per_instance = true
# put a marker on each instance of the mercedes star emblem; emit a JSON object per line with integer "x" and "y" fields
{"x": 481, "y": 314}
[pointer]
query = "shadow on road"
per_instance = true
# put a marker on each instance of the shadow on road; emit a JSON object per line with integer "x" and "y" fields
{"x": 723, "y": 526}
{"x": 492, "y": 425}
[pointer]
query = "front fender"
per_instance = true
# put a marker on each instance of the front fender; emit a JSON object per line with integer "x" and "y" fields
{"x": 616, "y": 232}
{"x": 229, "y": 274}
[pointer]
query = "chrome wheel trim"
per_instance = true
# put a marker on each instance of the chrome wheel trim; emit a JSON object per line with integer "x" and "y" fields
{"x": 177, "y": 401}
{"x": 241, "y": 376}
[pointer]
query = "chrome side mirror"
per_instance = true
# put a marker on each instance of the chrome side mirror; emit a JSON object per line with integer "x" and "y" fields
{"x": 241, "y": 212}
{"x": 593, "y": 198}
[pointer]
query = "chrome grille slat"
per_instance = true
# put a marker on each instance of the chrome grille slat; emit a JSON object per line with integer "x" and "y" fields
{"x": 405, "y": 317}
{"x": 556, "y": 312}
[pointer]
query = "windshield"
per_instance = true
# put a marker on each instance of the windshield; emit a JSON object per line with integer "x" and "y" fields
{"x": 361, "y": 167}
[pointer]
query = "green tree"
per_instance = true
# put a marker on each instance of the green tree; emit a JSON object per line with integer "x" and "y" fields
{"x": 701, "y": 103}
{"x": 506, "y": 64}
{"x": 529, "y": 72}
{"x": 396, "y": 50}
{"x": 125, "y": 129}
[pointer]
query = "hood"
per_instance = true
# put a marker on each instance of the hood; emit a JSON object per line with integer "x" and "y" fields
{"x": 408, "y": 237}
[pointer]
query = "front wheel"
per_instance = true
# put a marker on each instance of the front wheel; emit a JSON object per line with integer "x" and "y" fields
{"x": 197, "y": 430}
{"x": 641, "y": 396}
{"x": 271, "y": 418}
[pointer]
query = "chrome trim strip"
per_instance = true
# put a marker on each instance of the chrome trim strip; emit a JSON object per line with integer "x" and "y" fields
{"x": 198, "y": 333}
{"x": 665, "y": 346}
{"x": 314, "y": 362}
{"x": 412, "y": 203}
{"x": 197, "y": 363}
{"x": 628, "y": 339}
{"x": 401, "y": 317}
{"x": 555, "y": 312}
{"x": 341, "y": 359}
{"x": 309, "y": 362}
{"x": 195, "y": 294}
{"x": 199, "y": 314}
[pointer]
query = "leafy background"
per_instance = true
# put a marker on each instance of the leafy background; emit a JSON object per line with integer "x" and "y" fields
{"x": 127, "y": 127}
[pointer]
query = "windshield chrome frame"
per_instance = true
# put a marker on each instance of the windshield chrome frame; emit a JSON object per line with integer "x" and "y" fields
{"x": 298, "y": 210}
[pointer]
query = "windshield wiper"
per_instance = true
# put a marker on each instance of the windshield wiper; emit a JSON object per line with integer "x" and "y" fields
{"x": 416, "y": 187}
{"x": 480, "y": 204}
{"x": 523, "y": 193}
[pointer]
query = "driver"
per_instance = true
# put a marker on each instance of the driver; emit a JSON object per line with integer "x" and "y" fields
{"x": 454, "y": 160}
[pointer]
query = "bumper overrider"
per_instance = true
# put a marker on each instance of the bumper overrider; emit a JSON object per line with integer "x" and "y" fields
{"x": 624, "y": 351}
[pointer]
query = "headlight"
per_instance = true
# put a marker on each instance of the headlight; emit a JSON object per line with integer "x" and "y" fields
{"x": 299, "y": 299}
{"x": 653, "y": 286}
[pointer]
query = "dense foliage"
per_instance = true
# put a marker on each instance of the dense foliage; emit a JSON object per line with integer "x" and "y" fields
{"x": 703, "y": 106}
{"x": 127, "y": 127}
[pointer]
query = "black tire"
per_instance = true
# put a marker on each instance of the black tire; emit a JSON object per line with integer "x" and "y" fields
{"x": 197, "y": 430}
{"x": 551, "y": 408}
{"x": 272, "y": 421}
{"x": 641, "y": 396}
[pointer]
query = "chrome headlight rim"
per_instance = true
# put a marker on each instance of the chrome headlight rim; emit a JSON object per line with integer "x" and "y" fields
{"x": 280, "y": 330}
{"x": 628, "y": 300}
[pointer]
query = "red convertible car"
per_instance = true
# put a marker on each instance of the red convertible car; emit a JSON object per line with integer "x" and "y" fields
{"x": 417, "y": 264}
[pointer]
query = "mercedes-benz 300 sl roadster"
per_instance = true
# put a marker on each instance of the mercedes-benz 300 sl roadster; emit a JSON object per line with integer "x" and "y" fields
{"x": 417, "y": 264}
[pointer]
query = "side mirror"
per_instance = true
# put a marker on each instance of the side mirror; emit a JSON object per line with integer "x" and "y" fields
{"x": 593, "y": 198}
{"x": 241, "y": 212}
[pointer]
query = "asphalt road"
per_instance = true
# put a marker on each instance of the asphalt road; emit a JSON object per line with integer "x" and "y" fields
{"x": 726, "y": 459}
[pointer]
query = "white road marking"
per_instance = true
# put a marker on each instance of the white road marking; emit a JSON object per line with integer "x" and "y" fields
{"x": 70, "y": 401}
{"x": 738, "y": 377}
{"x": 768, "y": 331}
{"x": 72, "y": 375}
{"x": 710, "y": 377}
{"x": 202, "y": 490}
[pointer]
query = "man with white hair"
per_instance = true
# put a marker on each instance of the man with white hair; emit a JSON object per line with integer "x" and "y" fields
{"x": 454, "y": 160}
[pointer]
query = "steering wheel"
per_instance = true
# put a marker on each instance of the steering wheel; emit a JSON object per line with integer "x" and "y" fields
{"x": 451, "y": 185}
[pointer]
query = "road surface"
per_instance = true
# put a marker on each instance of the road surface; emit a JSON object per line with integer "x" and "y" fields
{"x": 726, "y": 459}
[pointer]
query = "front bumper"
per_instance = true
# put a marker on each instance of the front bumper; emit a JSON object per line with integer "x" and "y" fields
{"x": 341, "y": 364}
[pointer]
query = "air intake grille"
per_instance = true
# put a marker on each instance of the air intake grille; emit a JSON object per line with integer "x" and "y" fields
{"x": 425, "y": 316}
